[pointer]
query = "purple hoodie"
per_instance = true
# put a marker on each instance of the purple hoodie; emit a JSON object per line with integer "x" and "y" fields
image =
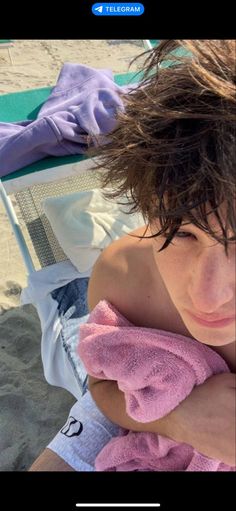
{"x": 81, "y": 108}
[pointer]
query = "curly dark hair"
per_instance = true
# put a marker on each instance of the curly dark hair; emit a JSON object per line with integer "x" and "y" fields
{"x": 173, "y": 153}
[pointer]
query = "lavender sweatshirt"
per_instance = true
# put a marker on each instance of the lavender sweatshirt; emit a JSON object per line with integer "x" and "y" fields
{"x": 80, "y": 110}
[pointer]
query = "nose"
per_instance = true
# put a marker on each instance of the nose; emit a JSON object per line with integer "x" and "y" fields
{"x": 212, "y": 282}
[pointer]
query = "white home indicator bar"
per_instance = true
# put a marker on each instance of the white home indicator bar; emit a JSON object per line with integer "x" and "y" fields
{"x": 119, "y": 505}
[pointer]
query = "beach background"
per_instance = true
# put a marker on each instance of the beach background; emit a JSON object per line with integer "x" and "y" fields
{"x": 31, "y": 411}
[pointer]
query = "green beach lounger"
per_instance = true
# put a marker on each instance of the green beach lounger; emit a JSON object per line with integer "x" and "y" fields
{"x": 52, "y": 176}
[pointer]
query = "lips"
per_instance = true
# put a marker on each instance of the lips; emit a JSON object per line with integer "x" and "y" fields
{"x": 213, "y": 323}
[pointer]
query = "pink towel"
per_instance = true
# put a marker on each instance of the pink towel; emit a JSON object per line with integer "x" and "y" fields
{"x": 156, "y": 370}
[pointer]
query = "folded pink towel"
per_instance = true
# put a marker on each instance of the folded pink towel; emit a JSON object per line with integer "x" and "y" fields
{"x": 156, "y": 370}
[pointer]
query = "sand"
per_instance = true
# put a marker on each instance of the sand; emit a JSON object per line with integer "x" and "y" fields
{"x": 31, "y": 411}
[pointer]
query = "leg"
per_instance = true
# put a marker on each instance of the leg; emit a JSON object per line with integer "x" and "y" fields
{"x": 49, "y": 461}
{"x": 77, "y": 444}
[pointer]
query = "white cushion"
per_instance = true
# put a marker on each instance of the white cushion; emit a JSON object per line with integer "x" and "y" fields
{"x": 84, "y": 223}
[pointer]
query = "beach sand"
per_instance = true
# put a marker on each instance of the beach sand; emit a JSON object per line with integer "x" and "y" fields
{"x": 31, "y": 411}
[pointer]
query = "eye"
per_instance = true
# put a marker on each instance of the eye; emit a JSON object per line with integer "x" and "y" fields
{"x": 184, "y": 234}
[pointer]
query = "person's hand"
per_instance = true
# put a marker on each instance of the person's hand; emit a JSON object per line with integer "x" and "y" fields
{"x": 207, "y": 418}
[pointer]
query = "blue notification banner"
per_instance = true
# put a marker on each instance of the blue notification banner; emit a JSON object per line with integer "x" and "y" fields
{"x": 118, "y": 9}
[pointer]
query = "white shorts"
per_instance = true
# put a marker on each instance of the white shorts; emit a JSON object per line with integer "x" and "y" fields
{"x": 84, "y": 435}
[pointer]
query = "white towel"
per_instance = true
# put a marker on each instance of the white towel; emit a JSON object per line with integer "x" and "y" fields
{"x": 60, "y": 328}
{"x": 84, "y": 223}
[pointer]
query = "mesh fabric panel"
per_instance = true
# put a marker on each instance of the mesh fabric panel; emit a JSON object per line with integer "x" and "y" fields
{"x": 29, "y": 202}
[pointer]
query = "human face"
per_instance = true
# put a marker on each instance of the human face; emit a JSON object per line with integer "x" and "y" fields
{"x": 200, "y": 280}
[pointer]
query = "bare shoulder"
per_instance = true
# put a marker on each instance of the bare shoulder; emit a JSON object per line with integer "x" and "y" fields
{"x": 127, "y": 276}
{"x": 115, "y": 272}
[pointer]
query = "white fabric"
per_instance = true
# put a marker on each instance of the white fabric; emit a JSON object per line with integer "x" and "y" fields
{"x": 84, "y": 223}
{"x": 84, "y": 435}
{"x": 56, "y": 364}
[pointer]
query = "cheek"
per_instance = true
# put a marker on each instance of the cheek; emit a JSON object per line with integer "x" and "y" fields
{"x": 175, "y": 274}
{"x": 171, "y": 269}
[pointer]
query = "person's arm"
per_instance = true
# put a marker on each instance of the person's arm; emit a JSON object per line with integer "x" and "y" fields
{"x": 49, "y": 461}
{"x": 205, "y": 420}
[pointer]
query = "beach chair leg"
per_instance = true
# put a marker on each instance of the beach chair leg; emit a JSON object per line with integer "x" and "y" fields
{"x": 9, "y": 53}
{"x": 17, "y": 229}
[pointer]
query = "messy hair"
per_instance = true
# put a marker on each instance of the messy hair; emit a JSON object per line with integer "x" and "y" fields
{"x": 173, "y": 153}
